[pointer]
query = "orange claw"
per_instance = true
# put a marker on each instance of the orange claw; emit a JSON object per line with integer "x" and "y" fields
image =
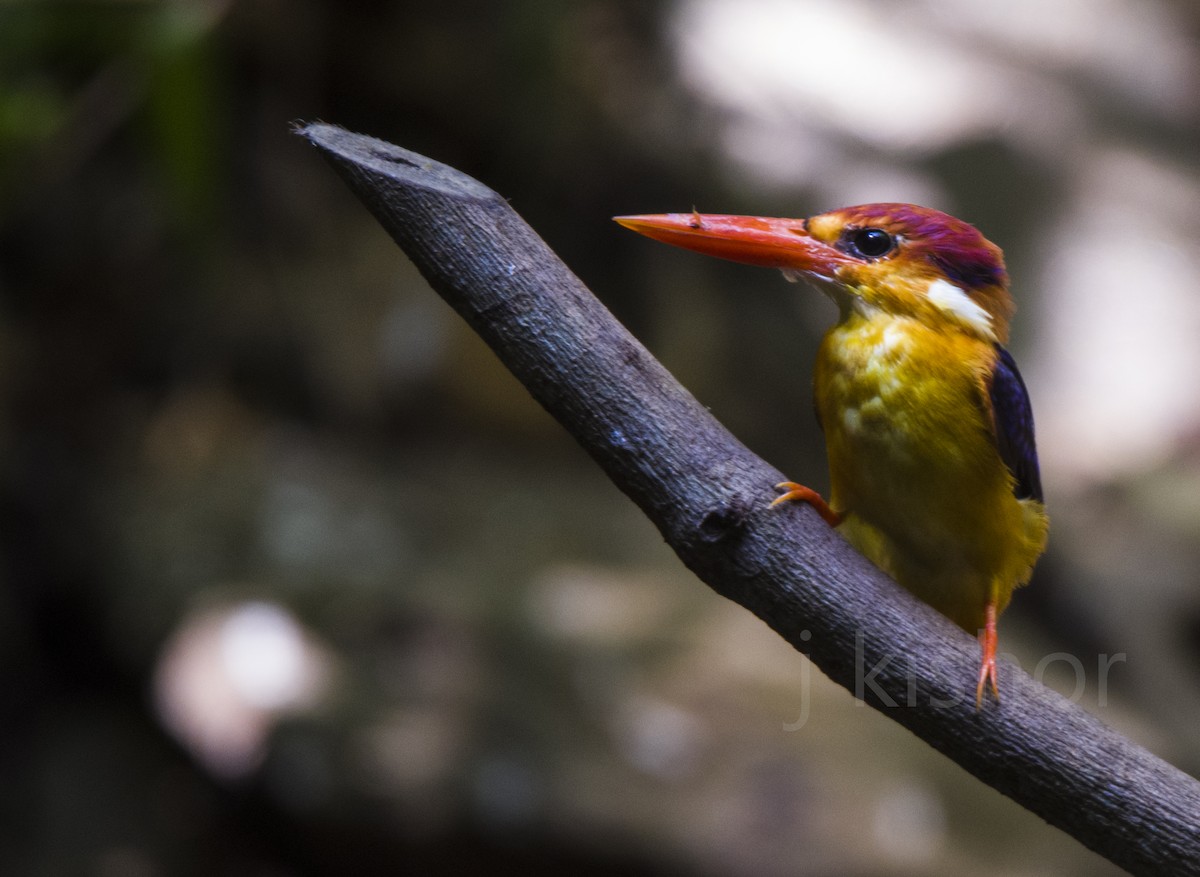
{"x": 987, "y": 668}
{"x": 794, "y": 492}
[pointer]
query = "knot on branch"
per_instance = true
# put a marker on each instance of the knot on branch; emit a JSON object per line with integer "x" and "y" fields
{"x": 724, "y": 522}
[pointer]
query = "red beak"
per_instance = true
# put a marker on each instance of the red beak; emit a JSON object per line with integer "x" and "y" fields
{"x": 754, "y": 240}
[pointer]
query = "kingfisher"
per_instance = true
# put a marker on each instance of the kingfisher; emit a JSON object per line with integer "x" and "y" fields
{"x": 928, "y": 426}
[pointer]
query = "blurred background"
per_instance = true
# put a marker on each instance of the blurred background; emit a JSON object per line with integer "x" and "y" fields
{"x": 295, "y": 578}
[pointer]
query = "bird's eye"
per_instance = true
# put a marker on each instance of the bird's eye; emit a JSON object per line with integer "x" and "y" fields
{"x": 871, "y": 243}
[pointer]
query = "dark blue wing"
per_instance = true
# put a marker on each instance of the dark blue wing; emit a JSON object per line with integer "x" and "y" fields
{"x": 1014, "y": 426}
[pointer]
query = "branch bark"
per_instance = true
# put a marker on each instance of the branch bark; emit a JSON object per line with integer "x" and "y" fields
{"x": 708, "y": 494}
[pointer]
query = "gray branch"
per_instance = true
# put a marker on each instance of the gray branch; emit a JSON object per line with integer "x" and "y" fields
{"x": 708, "y": 496}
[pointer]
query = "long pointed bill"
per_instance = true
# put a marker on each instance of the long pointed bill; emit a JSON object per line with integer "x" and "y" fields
{"x": 753, "y": 240}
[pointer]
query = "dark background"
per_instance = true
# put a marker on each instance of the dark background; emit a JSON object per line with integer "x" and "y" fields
{"x": 294, "y": 579}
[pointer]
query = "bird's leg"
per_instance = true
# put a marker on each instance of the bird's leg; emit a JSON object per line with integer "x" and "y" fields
{"x": 987, "y": 667}
{"x": 794, "y": 492}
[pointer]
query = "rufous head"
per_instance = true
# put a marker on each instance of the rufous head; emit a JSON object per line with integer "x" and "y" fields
{"x": 897, "y": 258}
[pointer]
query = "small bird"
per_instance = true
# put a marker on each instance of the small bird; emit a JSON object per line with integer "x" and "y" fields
{"x": 928, "y": 427}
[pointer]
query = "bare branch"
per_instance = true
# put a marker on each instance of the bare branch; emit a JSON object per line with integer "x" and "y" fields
{"x": 708, "y": 495}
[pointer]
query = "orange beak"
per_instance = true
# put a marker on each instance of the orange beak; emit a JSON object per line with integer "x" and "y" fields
{"x": 753, "y": 240}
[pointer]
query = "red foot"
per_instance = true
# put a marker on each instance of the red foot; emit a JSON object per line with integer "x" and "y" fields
{"x": 794, "y": 492}
{"x": 987, "y": 668}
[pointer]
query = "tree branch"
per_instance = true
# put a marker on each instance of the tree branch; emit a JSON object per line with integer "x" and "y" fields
{"x": 708, "y": 496}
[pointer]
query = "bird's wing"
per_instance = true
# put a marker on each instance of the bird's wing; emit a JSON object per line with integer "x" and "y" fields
{"x": 1012, "y": 417}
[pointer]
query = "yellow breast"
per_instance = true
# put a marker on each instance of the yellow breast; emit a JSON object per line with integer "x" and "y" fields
{"x": 914, "y": 466}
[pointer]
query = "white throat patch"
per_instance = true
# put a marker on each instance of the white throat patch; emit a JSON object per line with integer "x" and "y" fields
{"x": 953, "y": 300}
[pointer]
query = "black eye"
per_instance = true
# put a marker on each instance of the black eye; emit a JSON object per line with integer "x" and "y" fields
{"x": 871, "y": 243}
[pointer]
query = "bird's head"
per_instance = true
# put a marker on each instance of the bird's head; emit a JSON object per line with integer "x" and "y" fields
{"x": 897, "y": 258}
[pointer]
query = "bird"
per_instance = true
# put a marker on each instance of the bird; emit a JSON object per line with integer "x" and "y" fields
{"x": 928, "y": 426}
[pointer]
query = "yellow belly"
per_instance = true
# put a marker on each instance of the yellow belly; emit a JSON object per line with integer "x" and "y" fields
{"x": 914, "y": 466}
